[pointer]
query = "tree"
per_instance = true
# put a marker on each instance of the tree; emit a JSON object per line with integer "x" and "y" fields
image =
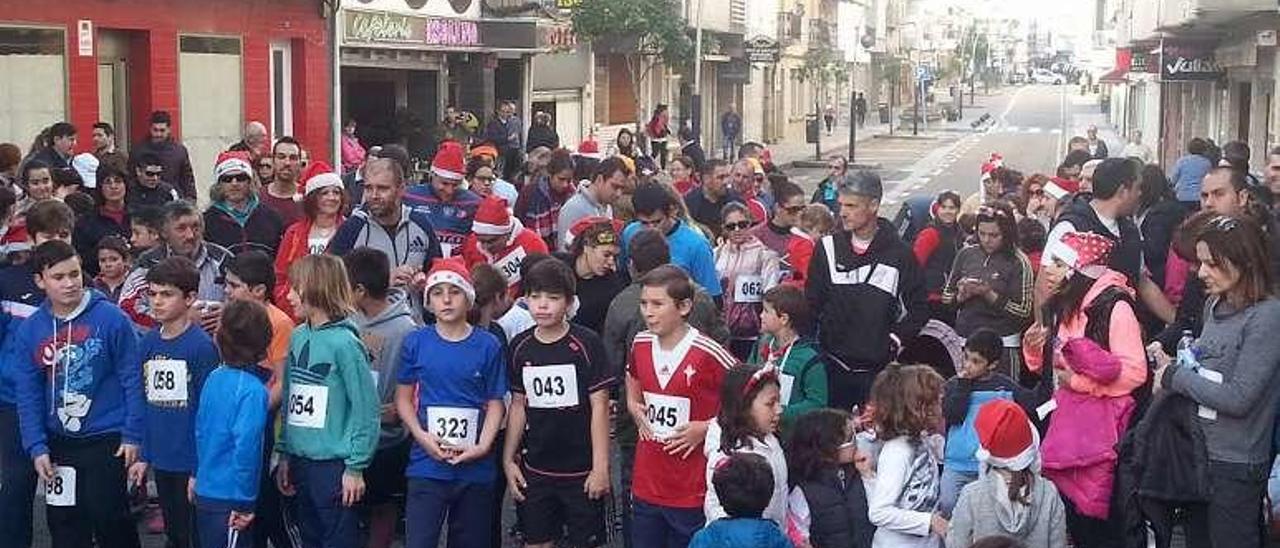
{"x": 644, "y": 32}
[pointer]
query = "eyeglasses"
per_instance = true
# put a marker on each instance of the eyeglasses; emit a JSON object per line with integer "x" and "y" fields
{"x": 237, "y": 178}
{"x": 1037, "y": 192}
{"x": 740, "y": 225}
{"x": 153, "y": 172}
{"x": 794, "y": 209}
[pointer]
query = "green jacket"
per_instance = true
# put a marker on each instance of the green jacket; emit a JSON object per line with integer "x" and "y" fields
{"x": 331, "y": 403}
{"x": 804, "y": 365}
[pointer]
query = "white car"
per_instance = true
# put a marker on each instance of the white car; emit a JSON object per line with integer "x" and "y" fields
{"x": 1042, "y": 76}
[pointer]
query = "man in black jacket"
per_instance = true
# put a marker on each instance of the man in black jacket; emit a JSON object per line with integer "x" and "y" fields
{"x": 172, "y": 155}
{"x": 867, "y": 291}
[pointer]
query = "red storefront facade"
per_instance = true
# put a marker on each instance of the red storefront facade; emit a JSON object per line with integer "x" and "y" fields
{"x": 212, "y": 64}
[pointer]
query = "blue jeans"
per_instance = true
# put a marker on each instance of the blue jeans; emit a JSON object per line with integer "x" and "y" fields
{"x": 952, "y": 482}
{"x": 729, "y": 147}
{"x": 466, "y": 505}
{"x": 212, "y": 529}
{"x": 322, "y": 519}
{"x": 655, "y": 526}
{"x": 17, "y": 483}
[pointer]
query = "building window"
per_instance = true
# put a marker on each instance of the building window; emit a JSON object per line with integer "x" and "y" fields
{"x": 211, "y": 98}
{"x": 797, "y": 93}
{"x": 38, "y": 98}
{"x": 281, "y": 89}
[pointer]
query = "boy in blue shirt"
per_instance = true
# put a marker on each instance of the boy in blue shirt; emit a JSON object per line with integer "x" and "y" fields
{"x": 451, "y": 383}
{"x": 658, "y": 209}
{"x": 229, "y": 430}
{"x": 176, "y": 358}
{"x": 80, "y": 402}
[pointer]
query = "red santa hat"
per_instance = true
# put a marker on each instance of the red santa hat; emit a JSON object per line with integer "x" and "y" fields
{"x": 492, "y": 218}
{"x": 320, "y": 175}
{"x": 1006, "y": 438}
{"x": 602, "y": 237}
{"x": 451, "y": 271}
{"x": 449, "y": 162}
{"x": 230, "y": 162}
{"x": 1084, "y": 252}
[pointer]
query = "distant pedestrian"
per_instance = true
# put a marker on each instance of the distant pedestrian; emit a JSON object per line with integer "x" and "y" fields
{"x": 1097, "y": 147}
{"x": 731, "y": 130}
{"x": 659, "y": 131}
{"x": 542, "y": 133}
{"x": 860, "y": 109}
{"x": 829, "y": 117}
{"x": 353, "y": 153}
{"x": 171, "y": 153}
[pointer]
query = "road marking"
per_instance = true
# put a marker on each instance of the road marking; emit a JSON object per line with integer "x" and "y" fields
{"x": 1056, "y": 131}
{"x": 1033, "y": 130}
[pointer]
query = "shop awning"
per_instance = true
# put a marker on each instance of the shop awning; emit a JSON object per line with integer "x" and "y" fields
{"x": 1114, "y": 76}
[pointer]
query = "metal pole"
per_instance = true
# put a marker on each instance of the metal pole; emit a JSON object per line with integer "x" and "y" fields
{"x": 696, "y": 100}
{"x": 817, "y": 124}
{"x": 915, "y": 117}
{"x": 853, "y": 121}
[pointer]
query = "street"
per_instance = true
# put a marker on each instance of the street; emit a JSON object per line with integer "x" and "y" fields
{"x": 1030, "y": 128}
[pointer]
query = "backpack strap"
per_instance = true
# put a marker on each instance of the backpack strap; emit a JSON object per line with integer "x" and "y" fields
{"x": 1098, "y": 314}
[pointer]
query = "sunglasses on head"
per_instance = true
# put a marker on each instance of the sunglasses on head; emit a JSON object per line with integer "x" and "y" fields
{"x": 992, "y": 213}
{"x": 236, "y": 178}
{"x": 740, "y": 225}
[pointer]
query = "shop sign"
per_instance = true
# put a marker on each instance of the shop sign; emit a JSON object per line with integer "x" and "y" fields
{"x": 557, "y": 37}
{"x": 84, "y": 36}
{"x": 428, "y": 8}
{"x": 398, "y": 30}
{"x": 568, "y": 4}
{"x": 451, "y": 32}
{"x": 1267, "y": 38}
{"x": 1180, "y": 63}
{"x": 761, "y": 49}
{"x": 734, "y": 72}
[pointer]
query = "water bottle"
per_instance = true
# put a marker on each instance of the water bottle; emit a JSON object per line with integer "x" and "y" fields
{"x": 1187, "y": 354}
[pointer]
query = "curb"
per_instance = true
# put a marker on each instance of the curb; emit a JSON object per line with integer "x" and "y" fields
{"x": 921, "y": 137}
{"x": 811, "y": 164}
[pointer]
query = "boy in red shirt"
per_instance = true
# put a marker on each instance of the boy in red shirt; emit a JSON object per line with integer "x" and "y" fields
{"x": 673, "y": 385}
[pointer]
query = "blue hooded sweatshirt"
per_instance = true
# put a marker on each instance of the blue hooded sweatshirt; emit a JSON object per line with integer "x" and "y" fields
{"x": 738, "y": 532}
{"x": 78, "y": 376}
{"x": 229, "y": 427}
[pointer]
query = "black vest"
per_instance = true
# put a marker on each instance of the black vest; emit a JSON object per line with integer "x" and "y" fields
{"x": 1126, "y": 257}
{"x": 938, "y": 266}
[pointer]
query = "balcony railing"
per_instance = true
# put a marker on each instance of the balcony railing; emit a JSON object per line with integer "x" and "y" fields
{"x": 789, "y": 27}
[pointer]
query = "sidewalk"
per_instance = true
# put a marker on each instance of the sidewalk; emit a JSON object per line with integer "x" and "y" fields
{"x": 787, "y": 153}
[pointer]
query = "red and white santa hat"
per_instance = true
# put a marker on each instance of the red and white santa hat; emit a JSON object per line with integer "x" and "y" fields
{"x": 230, "y": 162}
{"x": 492, "y": 218}
{"x": 993, "y": 162}
{"x": 603, "y": 237}
{"x": 319, "y": 175}
{"x": 1084, "y": 252}
{"x": 1006, "y": 438}
{"x": 451, "y": 271}
{"x": 449, "y": 162}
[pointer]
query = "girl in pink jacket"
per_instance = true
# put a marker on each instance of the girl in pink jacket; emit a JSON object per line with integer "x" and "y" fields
{"x": 1091, "y": 340}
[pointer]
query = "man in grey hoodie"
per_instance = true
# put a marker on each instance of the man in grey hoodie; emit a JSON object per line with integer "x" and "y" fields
{"x": 384, "y": 319}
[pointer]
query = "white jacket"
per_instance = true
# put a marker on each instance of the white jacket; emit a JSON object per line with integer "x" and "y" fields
{"x": 771, "y": 450}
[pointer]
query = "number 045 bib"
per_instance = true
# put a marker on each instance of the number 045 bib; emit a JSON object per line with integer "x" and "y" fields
{"x": 665, "y": 413}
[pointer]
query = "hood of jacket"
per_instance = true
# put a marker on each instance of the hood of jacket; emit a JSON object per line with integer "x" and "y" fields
{"x": 1015, "y": 518}
{"x": 91, "y": 299}
{"x": 397, "y": 307}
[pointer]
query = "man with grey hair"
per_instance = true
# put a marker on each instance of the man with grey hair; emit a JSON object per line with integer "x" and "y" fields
{"x": 1136, "y": 148}
{"x": 863, "y": 277}
{"x": 1097, "y": 147}
{"x": 182, "y": 233}
{"x": 254, "y": 140}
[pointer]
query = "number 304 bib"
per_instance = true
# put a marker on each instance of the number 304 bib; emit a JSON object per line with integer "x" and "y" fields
{"x": 551, "y": 386}
{"x": 308, "y": 405}
{"x": 166, "y": 381}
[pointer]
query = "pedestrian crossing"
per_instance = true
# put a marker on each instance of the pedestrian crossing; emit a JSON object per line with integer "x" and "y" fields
{"x": 1020, "y": 129}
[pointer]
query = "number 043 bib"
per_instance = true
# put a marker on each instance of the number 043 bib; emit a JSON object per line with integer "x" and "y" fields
{"x": 551, "y": 386}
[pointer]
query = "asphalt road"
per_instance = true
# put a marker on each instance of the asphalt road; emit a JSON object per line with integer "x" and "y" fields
{"x": 1030, "y": 128}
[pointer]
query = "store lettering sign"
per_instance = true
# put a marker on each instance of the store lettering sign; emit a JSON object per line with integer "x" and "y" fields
{"x": 1188, "y": 64}
{"x": 451, "y": 32}
{"x": 380, "y": 27}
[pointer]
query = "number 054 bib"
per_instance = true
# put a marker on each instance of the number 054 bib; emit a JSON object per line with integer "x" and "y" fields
{"x": 665, "y": 413}
{"x": 551, "y": 386}
{"x": 308, "y": 405}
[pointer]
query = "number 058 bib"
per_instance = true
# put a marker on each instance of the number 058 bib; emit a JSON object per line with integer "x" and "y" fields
{"x": 551, "y": 386}
{"x": 61, "y": 490}
{"x": 665, "y": 413}
{"x": 166, "y": 381}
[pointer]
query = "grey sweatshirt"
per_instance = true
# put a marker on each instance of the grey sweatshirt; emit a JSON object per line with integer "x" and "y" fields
{"x": 984, "y": 510}
{"x": 383, "y": 336}
{"x": 1241, "y": 351}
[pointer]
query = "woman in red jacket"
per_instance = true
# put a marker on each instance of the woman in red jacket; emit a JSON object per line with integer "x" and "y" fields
{"x": 935, "y": 249}
{"x": 323, "y": 204}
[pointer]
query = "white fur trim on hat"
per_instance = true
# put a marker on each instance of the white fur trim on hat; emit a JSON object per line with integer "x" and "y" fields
{"x": 445, "y": 276}
{"x": 1028, "y": 458}
{"x": 232, "y": 165}
{"x": 486, "y": 229}
{"x": 323, "y": 180}
{"x": 446, "y": 173}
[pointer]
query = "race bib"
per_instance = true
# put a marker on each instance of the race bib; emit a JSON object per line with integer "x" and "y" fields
{"x": 748, "y": 288}
{"x": 665, "y": 413}
{"x": 61, "y": 490}
{"x": 786, "y": 382}
{"x": 316, "y": 246}
{"x": 1208, "y": 413}
{"x": 446, "y": 249}
{"x": 551, "y": 386}
{"x": 509, "y": 265}
{"x": 456, "y": 426}
{"x": 166, "y": 381}
{"x": 308, "y": 405}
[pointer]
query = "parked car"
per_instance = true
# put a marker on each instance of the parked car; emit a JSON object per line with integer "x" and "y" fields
{"x": 1042, "y": 76}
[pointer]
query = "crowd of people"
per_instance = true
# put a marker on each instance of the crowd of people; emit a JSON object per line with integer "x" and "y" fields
{"x": 327, "y": 357}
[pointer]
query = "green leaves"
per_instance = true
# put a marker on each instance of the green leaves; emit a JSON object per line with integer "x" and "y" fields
{"x": 643, "y": 27}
